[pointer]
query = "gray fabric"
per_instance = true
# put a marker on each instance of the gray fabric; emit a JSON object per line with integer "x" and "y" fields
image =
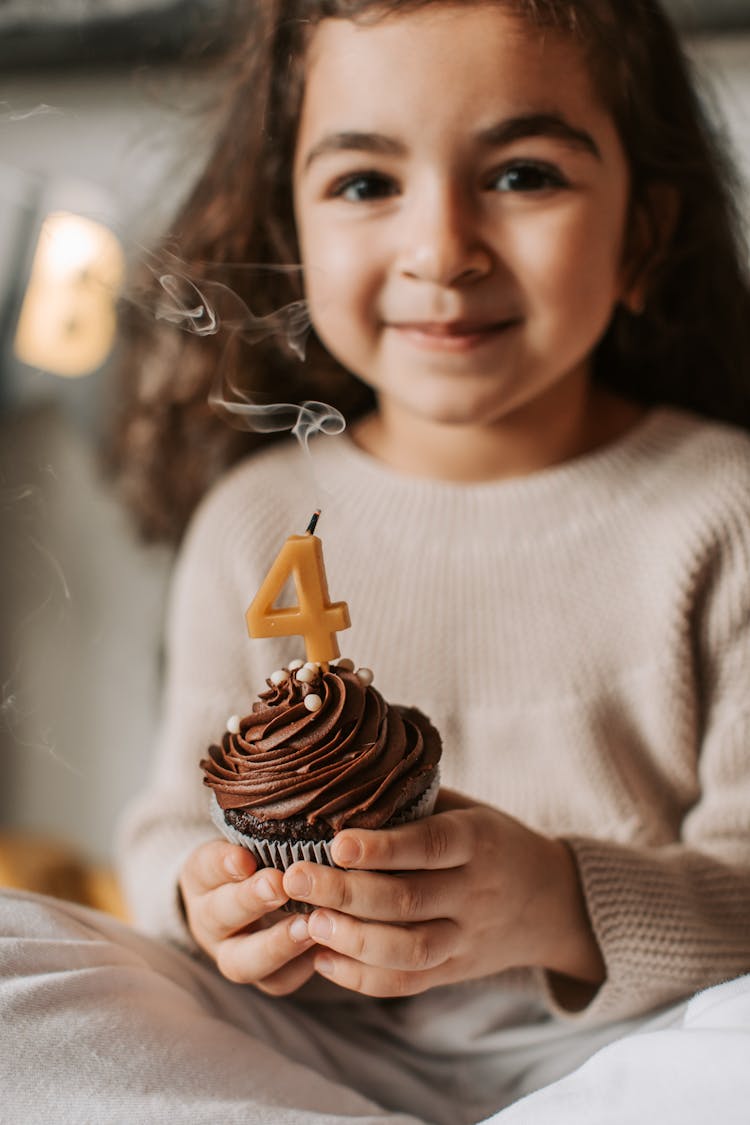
{"x": 99, "y": 1023}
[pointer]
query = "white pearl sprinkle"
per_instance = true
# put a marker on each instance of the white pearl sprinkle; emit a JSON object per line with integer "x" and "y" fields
{"x": 305, "y": 675}
{"x": 313, "y": 702}
{"x": 365, "y": 676}
{"x": 278, "y": 677}
{"x": 295, "y": 664}
{"x": 346, "y": 665}
{"x": 313, "y": 665}
{"x": 233, "y": 724}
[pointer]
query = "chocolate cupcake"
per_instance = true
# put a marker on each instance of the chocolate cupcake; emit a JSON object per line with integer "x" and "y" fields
{"x": 320, "y": 751}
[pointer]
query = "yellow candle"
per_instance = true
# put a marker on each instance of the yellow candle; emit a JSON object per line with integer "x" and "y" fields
{"x": 315, "y": 617}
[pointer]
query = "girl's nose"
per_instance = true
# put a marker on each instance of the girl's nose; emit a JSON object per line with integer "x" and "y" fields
{"x": 442, "y": 242}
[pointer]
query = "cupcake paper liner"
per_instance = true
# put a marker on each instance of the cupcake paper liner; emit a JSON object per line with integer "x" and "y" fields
{"x": 281, "y": 854}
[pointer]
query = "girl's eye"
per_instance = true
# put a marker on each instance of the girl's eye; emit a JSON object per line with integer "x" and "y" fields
{"x": 363, "y": 187}
{"x": 527, "y": 176}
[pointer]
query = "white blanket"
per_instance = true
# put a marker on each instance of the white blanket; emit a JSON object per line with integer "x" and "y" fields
{"x": 696, "y": 1072}
{"x": 100, "y": 1024}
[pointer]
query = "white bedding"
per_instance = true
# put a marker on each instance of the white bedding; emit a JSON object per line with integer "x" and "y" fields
{"x": 694, "y": 1072}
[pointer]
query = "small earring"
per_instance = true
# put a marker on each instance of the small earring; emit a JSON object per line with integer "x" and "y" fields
{"x": 635, "y": 304}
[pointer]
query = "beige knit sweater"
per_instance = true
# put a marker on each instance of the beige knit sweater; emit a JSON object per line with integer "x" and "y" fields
{"x": 580, "y": 636}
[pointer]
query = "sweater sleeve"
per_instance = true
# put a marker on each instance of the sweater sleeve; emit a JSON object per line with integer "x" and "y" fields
{"x": 206, "y": 681}
{"x": 674, "y": 919}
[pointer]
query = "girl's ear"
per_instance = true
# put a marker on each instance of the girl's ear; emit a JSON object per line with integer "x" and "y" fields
{"x": 653, "y": 221}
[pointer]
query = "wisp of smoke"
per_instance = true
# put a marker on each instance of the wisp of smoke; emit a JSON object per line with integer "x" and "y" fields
{"x": 7, "y": 113}
{"x": 303, "y": 419}
{"x": 40, "y": 590}
{"x": 206, "y": 308}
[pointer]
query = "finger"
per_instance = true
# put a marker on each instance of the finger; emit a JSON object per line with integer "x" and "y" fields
{"x": 414, "y": 897}
{"x": 413, "y": 949}
{"x": 291, "y": 976}
{"x": 230, "y": 908}
{"x": 443, "y": 840}
{"x": 216, "y": 863}
{"x": 251, "y": 958}
{"x": 451, "y": 799}
{"x": 376, "y": 982}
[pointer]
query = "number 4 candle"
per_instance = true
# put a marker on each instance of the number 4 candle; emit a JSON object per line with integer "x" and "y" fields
{"x": 315, "y": 617}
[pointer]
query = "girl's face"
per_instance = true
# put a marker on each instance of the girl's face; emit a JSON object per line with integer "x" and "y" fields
{"x": 461, "y": 200}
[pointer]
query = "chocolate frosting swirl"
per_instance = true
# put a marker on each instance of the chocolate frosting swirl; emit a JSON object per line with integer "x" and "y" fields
{"x": 356, "y": 761}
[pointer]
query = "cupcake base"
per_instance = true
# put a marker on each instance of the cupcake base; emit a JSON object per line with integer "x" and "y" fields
{"x": 281, "y": 854}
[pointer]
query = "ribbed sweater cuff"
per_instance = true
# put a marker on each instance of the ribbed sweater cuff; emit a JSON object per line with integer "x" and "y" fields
{"x": 159, "y": 912}
{"x": 645, "y": 910}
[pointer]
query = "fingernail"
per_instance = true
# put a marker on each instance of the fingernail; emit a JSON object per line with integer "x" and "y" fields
{"x": 234, "y": 867}
{"x": 298, "y": 884}
{"x": 347, "y": 851}
{"x": 298, "y": 929}
{"x": 320, "y": 926}
{"x": 266, "y": 891}
{"x": 324, "y": 965}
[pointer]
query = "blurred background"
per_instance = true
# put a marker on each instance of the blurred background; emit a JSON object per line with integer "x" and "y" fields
{"x": 100, "y": 137}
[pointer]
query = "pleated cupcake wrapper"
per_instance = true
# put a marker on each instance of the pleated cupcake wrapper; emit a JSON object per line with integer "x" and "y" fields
{"x": 281, "y": 854}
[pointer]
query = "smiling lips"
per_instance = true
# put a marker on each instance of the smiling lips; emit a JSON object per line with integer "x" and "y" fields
{"x": 451, "y": 336}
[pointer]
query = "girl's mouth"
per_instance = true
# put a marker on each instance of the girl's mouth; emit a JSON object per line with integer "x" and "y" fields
{"x": 451, "y": 336}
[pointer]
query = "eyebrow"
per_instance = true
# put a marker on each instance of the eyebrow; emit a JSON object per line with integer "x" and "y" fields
{"x": 502, "y": 133}
{"x": 540, "y": 125}
{"x": 376, "y": 143}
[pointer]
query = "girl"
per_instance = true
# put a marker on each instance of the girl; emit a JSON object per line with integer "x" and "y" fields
{"x": 524, "y": 275}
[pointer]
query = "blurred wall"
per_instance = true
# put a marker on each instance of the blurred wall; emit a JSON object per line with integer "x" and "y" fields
{"x": 722, "y": 63}
{"x": 81, "y": 601}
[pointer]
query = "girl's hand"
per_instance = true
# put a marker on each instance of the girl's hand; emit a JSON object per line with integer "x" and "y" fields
{"x": 461, "y": 894}
{"x": 232, "y": 910}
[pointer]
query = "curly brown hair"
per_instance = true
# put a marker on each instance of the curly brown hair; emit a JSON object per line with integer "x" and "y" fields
{"x": 690, "y": 347}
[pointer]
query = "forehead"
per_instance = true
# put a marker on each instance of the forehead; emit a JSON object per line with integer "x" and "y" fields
{"x": 441, "y": 64}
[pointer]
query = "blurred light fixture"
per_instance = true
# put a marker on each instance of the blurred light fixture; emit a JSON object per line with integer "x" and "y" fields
{"x": 66, "y": 324}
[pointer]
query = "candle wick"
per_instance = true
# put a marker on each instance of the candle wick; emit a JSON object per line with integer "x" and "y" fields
{"x": 310, "y": 529}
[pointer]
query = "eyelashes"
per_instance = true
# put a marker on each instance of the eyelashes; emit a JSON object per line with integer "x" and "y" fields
{"x": 362, "y": 187}
{"x": 516, "y": 177}
{"x": 528, "y": 176}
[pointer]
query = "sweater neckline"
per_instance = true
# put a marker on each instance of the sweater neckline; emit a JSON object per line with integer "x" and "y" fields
{"x": 589, "y": 488}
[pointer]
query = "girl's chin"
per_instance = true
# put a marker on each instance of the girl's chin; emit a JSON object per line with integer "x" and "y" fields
{"x": 472, "y": 400}
{"x": 453, "y": 414}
